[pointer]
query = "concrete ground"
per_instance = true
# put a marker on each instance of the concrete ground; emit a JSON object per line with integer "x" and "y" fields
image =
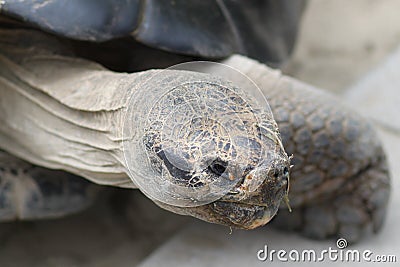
{"x": 340, "y": 42}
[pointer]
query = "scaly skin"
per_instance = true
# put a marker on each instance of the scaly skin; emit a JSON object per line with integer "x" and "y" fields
{"x": 339, "y": 183}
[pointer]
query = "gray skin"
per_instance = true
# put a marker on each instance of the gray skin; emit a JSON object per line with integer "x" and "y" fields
{"x": 339, "y": 185}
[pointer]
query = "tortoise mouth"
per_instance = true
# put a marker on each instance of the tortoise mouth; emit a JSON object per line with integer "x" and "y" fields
{"x": 244, "y": 215}
{"x": 254, "y": 210}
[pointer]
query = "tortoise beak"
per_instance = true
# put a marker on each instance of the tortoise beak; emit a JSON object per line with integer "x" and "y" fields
{"x": 250, "y": 209}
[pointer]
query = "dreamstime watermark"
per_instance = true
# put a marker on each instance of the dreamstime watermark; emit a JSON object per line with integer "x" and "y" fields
{"x": 340, "y": 253}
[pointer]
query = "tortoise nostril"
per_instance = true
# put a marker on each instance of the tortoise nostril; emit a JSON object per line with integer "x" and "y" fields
{"x": 283, "y": 177}
{"x": 286, "y": 172}
{"x": 283, "y": 172}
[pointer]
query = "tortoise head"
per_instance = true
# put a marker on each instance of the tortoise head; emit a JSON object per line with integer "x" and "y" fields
{"x": 217, "y": 156}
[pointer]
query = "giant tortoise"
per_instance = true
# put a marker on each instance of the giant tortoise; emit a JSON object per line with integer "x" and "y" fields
{"x": 213, "y": 141}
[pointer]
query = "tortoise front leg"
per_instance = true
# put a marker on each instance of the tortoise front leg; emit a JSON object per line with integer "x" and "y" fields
{"x": 30, "y": 192}
{"x": 340, "y": 183}
{"x": 359, "y": 209}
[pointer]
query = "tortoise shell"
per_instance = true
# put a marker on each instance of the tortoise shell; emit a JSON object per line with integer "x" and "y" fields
{"x": 264, "y": 30}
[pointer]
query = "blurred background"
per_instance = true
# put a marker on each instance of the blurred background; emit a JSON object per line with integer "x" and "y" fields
{"x": 339, "y": 42}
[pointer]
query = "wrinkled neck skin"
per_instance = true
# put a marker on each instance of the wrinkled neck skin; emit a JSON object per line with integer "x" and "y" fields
{"x": 65, "y": 113}
{"x": 61, "y": 112}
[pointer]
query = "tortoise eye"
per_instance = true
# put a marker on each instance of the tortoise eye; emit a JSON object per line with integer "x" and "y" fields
{"x": 218, "y": 167}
